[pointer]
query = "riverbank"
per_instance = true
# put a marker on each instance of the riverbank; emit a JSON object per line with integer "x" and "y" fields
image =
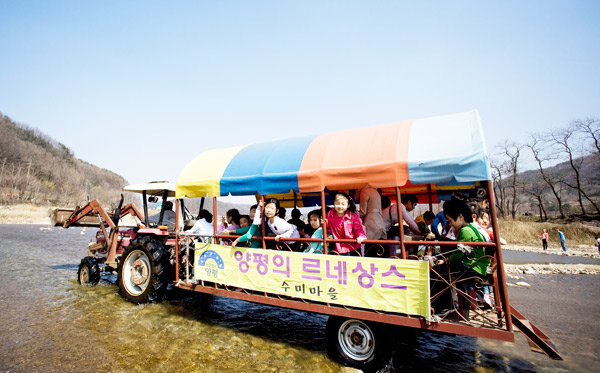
{"x": 550, "y": 269}
{"x": 572, "y": 250}
{"x": 25, "y": 214}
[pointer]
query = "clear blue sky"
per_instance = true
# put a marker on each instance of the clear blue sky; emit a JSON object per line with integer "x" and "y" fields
{"x": 142, "y": 87}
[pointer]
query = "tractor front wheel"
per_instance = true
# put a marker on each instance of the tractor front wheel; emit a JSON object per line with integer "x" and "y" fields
{"x": 88, "y": 272}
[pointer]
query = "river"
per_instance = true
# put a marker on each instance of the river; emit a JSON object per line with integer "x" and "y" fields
{"x": 51, "y": 324}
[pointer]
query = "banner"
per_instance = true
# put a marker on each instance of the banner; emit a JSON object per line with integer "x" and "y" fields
{"x": 394, "y": 285}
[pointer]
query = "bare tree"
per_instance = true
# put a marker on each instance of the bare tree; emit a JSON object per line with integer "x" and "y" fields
{"x": 539, "y": 147}
{"x": 537, "y": 190}
{"x": 499, "y": 186}
{"x": 565, "y": 138}
{"x": 507, "y": 170}
{"x": 590, "y": 127}
{"x": 512, "y": 150}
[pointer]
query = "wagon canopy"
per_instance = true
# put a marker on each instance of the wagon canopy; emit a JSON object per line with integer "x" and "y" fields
{"x": 447, "y": 150}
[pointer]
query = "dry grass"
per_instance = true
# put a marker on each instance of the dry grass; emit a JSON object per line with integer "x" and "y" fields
{"x": 24, "y": 214}
{"x": 527, "y": 233}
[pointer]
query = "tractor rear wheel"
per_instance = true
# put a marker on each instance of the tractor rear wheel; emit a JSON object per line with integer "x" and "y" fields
{"x": 88, "y": 272}
{"x": 143, "y": 271}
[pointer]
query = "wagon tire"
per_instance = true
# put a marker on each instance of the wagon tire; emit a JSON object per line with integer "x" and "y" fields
{"x": 357, "y": 343}
{"x": 143, "y": 271}
{"x": 88, "y": 272}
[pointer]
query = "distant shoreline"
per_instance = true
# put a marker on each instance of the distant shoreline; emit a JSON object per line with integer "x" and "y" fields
{"x": 25, "y": 214}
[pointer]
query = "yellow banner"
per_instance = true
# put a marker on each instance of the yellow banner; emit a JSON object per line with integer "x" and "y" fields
{"x": 393, "y": 285}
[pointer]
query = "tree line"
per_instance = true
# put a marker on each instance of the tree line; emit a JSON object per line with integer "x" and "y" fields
{"x": 35, "y": 168}
{"x": 565, "y": 181}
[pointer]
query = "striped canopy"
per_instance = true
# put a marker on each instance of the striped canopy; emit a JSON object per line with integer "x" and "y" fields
{"x": 447, "y": 150}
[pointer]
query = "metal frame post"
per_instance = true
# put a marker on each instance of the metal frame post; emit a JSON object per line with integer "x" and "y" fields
{"x": 498, "y": 253}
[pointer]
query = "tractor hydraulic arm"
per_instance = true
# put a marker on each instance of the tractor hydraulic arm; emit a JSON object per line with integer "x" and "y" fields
{"x": 133, "y": 210}
{"x": 92, "y": 206}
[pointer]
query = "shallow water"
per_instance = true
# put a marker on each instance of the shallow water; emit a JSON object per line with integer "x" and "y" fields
{"x": 52, "y": 324}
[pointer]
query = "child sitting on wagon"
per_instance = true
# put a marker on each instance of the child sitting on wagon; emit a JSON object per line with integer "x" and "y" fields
{"x": 314, "y": 219}
{"x": 278, "y": 226}
{"x": 247, "y": 232}
{"x": 230, "y": 222}
{"x": 463, "y": 265}
{"x": 460, "y": 217}
{"x": 344, "y": 223}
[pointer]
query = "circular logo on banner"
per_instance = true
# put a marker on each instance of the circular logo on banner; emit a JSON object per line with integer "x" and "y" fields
{"x": 212, "y": 262}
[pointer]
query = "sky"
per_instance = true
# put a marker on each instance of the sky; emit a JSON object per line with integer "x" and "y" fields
{"x": 142, "y": 87}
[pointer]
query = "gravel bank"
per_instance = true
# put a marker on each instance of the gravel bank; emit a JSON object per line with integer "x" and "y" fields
{"x": 577, "y": 250}
{"x": 551, "y": 269}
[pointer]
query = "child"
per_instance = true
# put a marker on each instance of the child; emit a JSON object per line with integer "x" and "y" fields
{"x": 231, "y": 222}
{"x": 484, "y": 222}
{"x": 314, "y": 219}
{"x": 296, "y": 214}
{"x": 345, "y": 224}
{"x": 245, "y": 221}
{"x": 424, "y": 222}
{"x": 460, "y": 217}
{"x": 476, "y": 213}
{"x": 249, "y": 231}
{"x": 280, "y": 227}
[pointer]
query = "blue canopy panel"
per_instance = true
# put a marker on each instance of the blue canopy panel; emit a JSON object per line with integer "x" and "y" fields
{"x": 268, "y": 167}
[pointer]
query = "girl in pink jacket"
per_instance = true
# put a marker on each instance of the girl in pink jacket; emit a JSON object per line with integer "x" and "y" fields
{"x": 345, "y": 224}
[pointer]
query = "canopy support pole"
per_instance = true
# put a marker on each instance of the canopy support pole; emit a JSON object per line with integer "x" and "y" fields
{"x": 215, "y": 216}
{"x": 324, "y": 215}
{"x": 499, "y": 262}
{"x": 201, "y": 205}
{"x": 177, "y": 242}
{"x": 146, "y": 221}
{"x": 429, "y": 197}
{"x": 400, "y": 223}
{"x": 263, "y": 221}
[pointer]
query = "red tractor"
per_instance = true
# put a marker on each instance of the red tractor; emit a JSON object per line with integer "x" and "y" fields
{"x": 142, "y": 253}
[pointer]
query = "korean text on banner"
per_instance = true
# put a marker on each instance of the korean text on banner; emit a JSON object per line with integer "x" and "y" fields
{"x": 393, "y": 285}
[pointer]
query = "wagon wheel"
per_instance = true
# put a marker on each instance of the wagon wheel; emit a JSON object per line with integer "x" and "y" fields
{"x": 88, "y": 272}
{"x": 359, "y": 344}
{"x": 144, "y": 271}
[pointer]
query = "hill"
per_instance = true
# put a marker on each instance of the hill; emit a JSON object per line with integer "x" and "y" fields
{"x": 37, "y": 169}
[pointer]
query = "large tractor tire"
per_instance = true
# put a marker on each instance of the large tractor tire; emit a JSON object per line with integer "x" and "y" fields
{"x": 88, "y": 272}
{"x": 359, "y": 344}
{"x": 143, "y": 271}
